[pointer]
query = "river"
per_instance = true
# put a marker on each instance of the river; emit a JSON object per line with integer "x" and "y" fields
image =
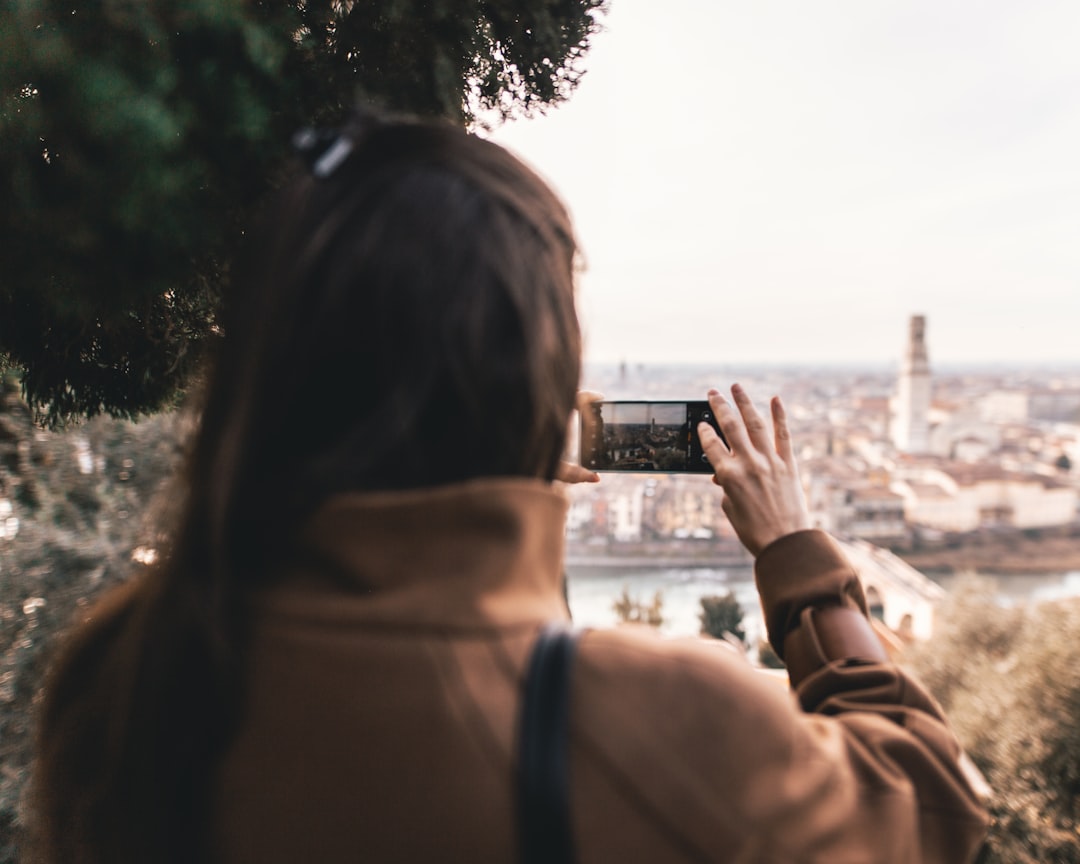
{"x": 592, "y": 591}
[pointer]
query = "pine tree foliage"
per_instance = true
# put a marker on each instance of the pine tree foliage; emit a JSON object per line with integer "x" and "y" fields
{"x": 138, "y": 136}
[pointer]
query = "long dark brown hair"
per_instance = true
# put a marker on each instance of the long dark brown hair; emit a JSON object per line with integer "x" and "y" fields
{"x": 405, "y": 321}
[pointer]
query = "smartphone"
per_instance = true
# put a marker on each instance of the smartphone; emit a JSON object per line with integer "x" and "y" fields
{"x": 645, "y": 436}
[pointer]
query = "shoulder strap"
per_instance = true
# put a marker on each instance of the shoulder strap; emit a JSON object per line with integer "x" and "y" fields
{"x": 543, "y": 801}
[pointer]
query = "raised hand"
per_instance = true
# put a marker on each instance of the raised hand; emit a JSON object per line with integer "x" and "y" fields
{"x": 763, "y": 496}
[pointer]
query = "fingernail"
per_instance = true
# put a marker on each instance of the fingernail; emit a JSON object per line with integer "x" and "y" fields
{"x": 713, "y": 392}
{"x": 736, "y": 388}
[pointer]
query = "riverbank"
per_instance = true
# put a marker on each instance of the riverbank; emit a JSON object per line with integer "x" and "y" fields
{"x": 1000, "y": 554}
{"x": 712, "y": 552}
{"x": 1015, "y": 552}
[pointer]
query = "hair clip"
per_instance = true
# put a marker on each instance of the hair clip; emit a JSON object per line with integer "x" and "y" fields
{"x": 323, "y": 150}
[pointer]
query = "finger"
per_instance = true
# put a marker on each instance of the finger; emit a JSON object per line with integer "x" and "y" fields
{"x": 712, "y": 446}
{"x": 587, "y": 397}
{"x": 781, "y": 434}
{"x": 568, "y": 472}
{"x": 730, "y": 423}
{"x": 582, "y": 401}
{"x": 756, "y": 430}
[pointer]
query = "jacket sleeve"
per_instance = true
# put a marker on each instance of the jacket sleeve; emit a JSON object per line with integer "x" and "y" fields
{"x": 815, "y": 613}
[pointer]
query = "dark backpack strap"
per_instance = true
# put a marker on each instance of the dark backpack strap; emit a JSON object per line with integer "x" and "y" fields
{"x": 543, "y": 800}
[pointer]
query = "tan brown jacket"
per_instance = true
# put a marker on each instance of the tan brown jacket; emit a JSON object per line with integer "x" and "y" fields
{"x": 386, "y": 671}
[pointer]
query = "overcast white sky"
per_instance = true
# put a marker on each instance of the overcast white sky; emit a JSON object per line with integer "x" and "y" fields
{"x": 784, "y": 180}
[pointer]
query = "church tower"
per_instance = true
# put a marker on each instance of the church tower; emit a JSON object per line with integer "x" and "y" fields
{"x": 911, "y": 425}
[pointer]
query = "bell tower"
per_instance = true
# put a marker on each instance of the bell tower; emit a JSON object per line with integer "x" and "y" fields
{"x": 911, "y": 423}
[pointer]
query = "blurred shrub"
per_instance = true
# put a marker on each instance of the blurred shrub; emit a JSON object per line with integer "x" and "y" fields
{"x": 720, "y": 615}
{"x": 768, "y": 657}
{"x": 77, "y": 523}
{"x": 632, "y": 610}
{"x": 1009, "y": 680}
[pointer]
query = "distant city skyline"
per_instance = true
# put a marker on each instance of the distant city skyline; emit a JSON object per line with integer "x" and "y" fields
{"x": 788, "y": 183}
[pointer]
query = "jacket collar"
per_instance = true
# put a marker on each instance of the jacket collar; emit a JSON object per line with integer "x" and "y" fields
{"x": 487, "y": 553}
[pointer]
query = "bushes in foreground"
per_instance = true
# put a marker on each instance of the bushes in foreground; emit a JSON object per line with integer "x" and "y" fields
{"x": 72, "y": 514}
{"x": 1009, "y": 679}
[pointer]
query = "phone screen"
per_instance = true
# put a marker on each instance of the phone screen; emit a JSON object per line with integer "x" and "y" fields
{"x": 645, "y": 436}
